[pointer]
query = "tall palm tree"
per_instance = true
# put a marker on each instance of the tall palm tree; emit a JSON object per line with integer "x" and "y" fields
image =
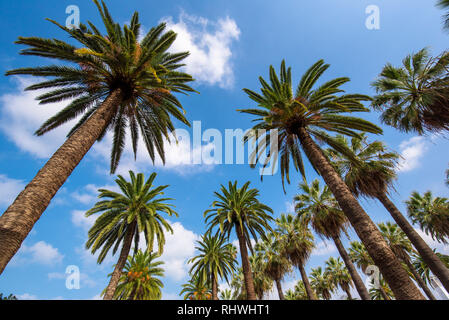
{"x": 402, "y": 247}
{"x": 276, "y": 264}
{"x": 360, "y": 256}
{"x": 321, "y": 283}
{"x": 444, "y": 4}
{"x": 297, "y": 243}
{"x": 415, "y": 97}
{"x": 239, "y": 209}
{"x": 136, "y": 210}
{"x": 215, "y": 261}
{"x": 339, "y": 275}
{"x": 423, "y": 269}
{"x": 370, "y": 173}
{"x": 318, "y": 208}
{"x": 196, "y": 289}
{"x": 301, "y": 120}
{"x": 262, "y": 282}
{"x": 140, "y": 281}
{"x": 431, "y": 214}
{"x": 301, "y": 292}
{"x": 114, "y": 82}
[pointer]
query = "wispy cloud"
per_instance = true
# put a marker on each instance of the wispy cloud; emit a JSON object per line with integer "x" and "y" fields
{"x": 323, "y": 248}
{"x": 9, "y": 189}
{"x": 40, "y": 253}
{"x": 412, "y": 151}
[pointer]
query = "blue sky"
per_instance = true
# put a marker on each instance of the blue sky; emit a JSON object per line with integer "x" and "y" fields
{"x": 232, "y": 44}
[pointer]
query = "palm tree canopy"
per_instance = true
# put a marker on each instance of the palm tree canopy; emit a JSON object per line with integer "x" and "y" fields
{"x": 296, "y": 239}
{"x": 239, "y": 208}
{"x": 216, "y": 258}
{"x": 423, "y": 269}
{"x": 431, "y": 214}
{"x": 444, "y": 4}
{"x": 319, "y": 208}
{"x": 138, "y": 203}
{"x": 371, "y": 169}
{"x": 276, "y": 264}
{"x": 315, "y": 108}
{"x": 414, "y": 97}
{"x": 321, "y": 283}
{"x": 196, "y": 289}
{"x": 263, "y": 283}
{"x": 144, "y": 71}
{"x": 397, "y": 240}
{"x": 359, "y": 255}
{"x": 139, "y": 279}
{"x": 338, "y": 274}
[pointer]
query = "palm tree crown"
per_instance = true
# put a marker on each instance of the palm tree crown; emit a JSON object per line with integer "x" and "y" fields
{"x": 144, "y": 72}
{"x": 414, "y": 98}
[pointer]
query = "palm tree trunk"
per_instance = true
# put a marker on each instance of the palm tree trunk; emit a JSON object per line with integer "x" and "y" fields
{"x": 115, "y": 277}
{"x": 305, "y": 280}
{"x": 359, "y": 285}
{"x": 18, "y": 220}
{"x": 279, "y": 288}
{"x": 348, "y": 293}
{"x": 430, "y": 258}
{"x": 419, "y": 280}
{"x": 396, "y": 276}
{"x": 247, "y": 273}
{"x": 214, "y": 288}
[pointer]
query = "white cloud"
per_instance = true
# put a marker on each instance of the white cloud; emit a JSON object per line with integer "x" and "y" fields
{"x": 412, "y": 151}
{"x": 21, "y": 115}
{"x": 40, "y": 253}
{"x": 209, "y": 44}
{"x": 290, "y": 206}
{"x": 324, "y": 248}
{"x": 80, "y": 220}
{"x": 26, "y": 296}
{"x": 9, "y": 189}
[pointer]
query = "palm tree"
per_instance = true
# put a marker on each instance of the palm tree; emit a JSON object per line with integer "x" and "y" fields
{"x": 276, "y": 264}
{"x": 382, "y": 293}
{"x": 301, "y": 117}
{"x": 339, "y": 275}
{"x": 301, "y": 292}
{"x": 444, "y": 4}
{"x": 431, "y": 214}
{"x": 298, "y": 243}
{"x": 114, "y": 81}
{"x": 423, "y": 269}
{"x": 290, "y": 295}
{"x": 447, "y": 177}
{"x": 239, "y": 209}
{"x": 10, "y": 297}
{"x": 415, "y": 97}
{"x": 359, "y": 255}
{"x": 226, "y": 294}
{"x": 319, "y": 208}
{"x": 370, "y": 173}
{"x": 402, "y": 247}
{"x": 215, "y": 260}
{"x": 139, "y": 280}
{"x": 262, "y": 282}
{"x": 321, "y": 283}
{"x": 124, "y": 217}
{"x": 196, "y": 289}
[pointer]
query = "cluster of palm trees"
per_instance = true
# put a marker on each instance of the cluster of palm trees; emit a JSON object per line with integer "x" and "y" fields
{"x": 116, "y": 81}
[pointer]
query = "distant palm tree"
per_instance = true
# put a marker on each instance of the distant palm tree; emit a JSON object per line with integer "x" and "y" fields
{"x": 124, "y": 217}
{"x": 290, "y": 295}
{"x": 321, "y": 283}
{"x": 447, "y": 177}
{"x": 139, "y": 278}
{"x": 262, "y": 282}
{"x": 297, "y": 243}
{"x": 402, "y": 247}
{"x": 339, "y": 275}
{"x": 276, "y": 264}
{"x": 215, "y": 261}
{"x": 300, "y": 291}
{"x": 226, "y": 294}
{"x": 114, "y": 82}
{"x": 431, "y": 214}
{"x": 423, "y": 269}
{"x": 239, "y": 209}
{"x": 415, "y": 97}
{"x": 196, "y": 289}
{"x": 370, "y": 172}
{"x": 319, "y": 208}
{"x": 10, "y": 297}
{"x": 444, "y": 4}
{"x": 304, "y": 119}
{"x": 360, "y": 256}
{"x": 383, "y": 292}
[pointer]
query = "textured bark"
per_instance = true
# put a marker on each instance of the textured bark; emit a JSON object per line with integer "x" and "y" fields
{"x": 18, "y": 220}
{"x": 359, "y": 285}
{"x": 395, "y": 275}
{"x": 279, "y": 288}
{"x": 430, "y": 258}
{"x": 419, "y": 280}
{"x": 305, "y": 280}
{"x": 247, "y": 273}
{"x": 214, "y": 288}
{"x": 115, "y": 277}
{"x": 348, "y": 293}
